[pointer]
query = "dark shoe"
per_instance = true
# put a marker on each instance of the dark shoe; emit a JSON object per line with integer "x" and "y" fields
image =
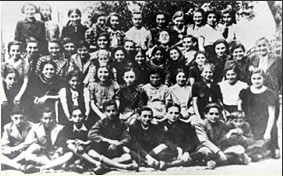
{"x": 162, "y": 165}
{"x": 256, "y": 157}
{"x": 133, "y": 166}
{"x": 276, "y": 154}
{"x": 100, "y": 170}
{"x": 210, "y": 164}
{"x": 30, "y": 169}
{"x": 245, "y": 159}
{"x": 78, "y": 168}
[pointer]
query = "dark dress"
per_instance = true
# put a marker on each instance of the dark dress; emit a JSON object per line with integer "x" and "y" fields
{"x": 75, "y": 33}
{"x": 195, "y": 72}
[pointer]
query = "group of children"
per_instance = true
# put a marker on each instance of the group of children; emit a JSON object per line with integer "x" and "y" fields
{"x": 97, "y": 98}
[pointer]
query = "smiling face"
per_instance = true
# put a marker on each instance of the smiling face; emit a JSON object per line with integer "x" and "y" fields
{"x": 212, "y": 115}
{"x": 74, "y": 82}
{"x": 164, "y": 37}
{"x": 231, "y": 76}
{"x": 198, "y": 18}
{"x": 29, "y": 11}
{"x": 103, "y": 74}
{"x": 10, "y": 80}
{"x": 139, "y": 58}
{"x": 158, "y": 56}
{"x": 69, "y": 48}
{"x": 257, "y": 80}
{"x": 220, "y": 50}
{"x": 262, "y": 47}
{"x": 18, "y": 119}
{"x": 145, "y": 118}
{"x": 83, "y": 52}
{"x": 102, "y": 42}
{"x": 200, "y": 59}
{"x": 54, "y": 49}
{"x": 32, "y": 48}
{"x": 129, "y": 46}
{"x": 207, "y": 73}
{"x": 174, "y": 54}
{"x": 15, "y": 52}
{"x": 103, "y": 60}
{"x": 188, "y": 43}
{"x": 48, "y": 71}
{"x": 227, "y": 19}
{"x": 181, "y": 78}
{"x": 211, "y": 19}
{"x": 114, "y": 22}
{"x": 179, "y": 22}
{"x": 238, "y": 53}
{"x": 47, "y": 119}
{"x": 119, "y": 56}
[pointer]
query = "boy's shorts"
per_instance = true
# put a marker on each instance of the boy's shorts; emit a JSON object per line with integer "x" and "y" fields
{"x": 102, "y": 149}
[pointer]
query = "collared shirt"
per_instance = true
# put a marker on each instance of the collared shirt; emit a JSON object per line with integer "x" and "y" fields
{"x": 83, "y": 128}
{"x": 263, "y": 63}
{"x": 141, "y": 37}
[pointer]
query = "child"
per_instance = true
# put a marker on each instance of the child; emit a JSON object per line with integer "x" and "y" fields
{"x": 181, "y": 93}
{"x": 12, "y": 141}
{"x": 73, "y": 95}
{"x": 196, "y": 68}
{"x": 229, "y": 25}
{"x": 160, "y": 20}
{"x": 130, "y": 47}
{"x": 158, "y": 94}
{"x": 179, "y": 28}
{"x": 98, "y": 27}
{"x": 189, "y": 43}
{"x": 138, "y": 33}
{"x": 55, "y": 55}
{"x": 231, "y": 87}
{"x": 69, "y": 47}
{"x": 141, "y": 67}
{"x": 114, "y": 30}
{"x": 211, "y": 132}
{"x": 198, "y": 23}
{"x": 102, "y": 45}
{"x": 109, "y": 137}
{"x": 131, "y": 97}
{"x": 258, "y": 103}
{"x": 74, "y": 29}
{"x": 205, "y": 92}
{"x": 46, "y": 143}
{"x": 29, "y": 27}
{"x": 120, "y": 62}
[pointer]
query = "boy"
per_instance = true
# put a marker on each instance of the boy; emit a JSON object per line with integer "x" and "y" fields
{"x": 272, "y": 65}
{"x": 189, "y": 45}
{"x": 46, "y": 143}
{"x": 13, "y": 138}
{"x": 109, "y": 138}
{"x": 157, "y": 93}
{"x": 141, "y": 36}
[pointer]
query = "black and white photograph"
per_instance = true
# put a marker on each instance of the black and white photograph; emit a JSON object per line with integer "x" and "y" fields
{"x": 141, "y": 87}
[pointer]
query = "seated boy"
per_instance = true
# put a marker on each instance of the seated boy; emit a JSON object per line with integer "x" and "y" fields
{"x": 46, "y": 143}
{"x": 109, "y": 138}
{"x": 13, "y": 138}
{"x": 79, "y": 144}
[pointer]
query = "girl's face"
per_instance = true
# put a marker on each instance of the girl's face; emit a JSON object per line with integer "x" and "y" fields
{"x": 179, "y": 22}
{"x": 160, "y": 20}
{"x": 103, "y": 74}
{"x": 102, "y": 42}
{"x": 257, "y": 80}
{"x": 207, "y": 73}
{"x": 77, "y": 116}
{"x": 173, "y": 114}
{"x": 212, "y": 115}
{"x": 231, "y": 77}
{"x": 164, "y": 37}
{"x": 139, "y": 58}
{"x": 54, "y": 49}
{"x": 114, "y": 22}
{"x": 32, "y": 48}
{"x": 198, "y": 18}
{"x": 10, "y": 80}
{"x": 220, "y": 50}
{"x": 238, "y": 54}
{"x": 137, "y": 20}
{"x": 129, "y": 77}
{"x": 146, "y": 117}
{"x": 158, "y": 55}
{"x": 211, "y": 19}
{"x": 129, "y": 46}
{"x": 155, "y": 79}
{"x": 69, "y": 48}
{"x": 29, "y": 11}
{"x": 75, "y": 18}
{"x": 181, "y": 78}
{"x": 48, "y": 71}
{"x": 15, "y": 52}
{"x": 101, "y": 20}
{"x": 45, "y": 11}
{"x": 83, "y": 52}
{"x": 103, "y": 60}
{"x": 119, "y": 56}
{"x": 200, "y": 59}
{"x": 74, "y": 82}
{"x": 227, "y": 19}
{"x": 174, "y": 54}
{"x": 188, "y": 43}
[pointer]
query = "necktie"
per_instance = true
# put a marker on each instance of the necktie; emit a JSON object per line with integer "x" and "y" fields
{"x": 225, "y": 33}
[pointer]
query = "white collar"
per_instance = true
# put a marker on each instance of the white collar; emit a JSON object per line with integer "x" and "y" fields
{"x": 83, "y": 128}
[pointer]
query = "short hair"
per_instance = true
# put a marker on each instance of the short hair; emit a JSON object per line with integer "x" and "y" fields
{"x": 231, "y": 65}
{"x": 137, "y": 13}
{"x": 74, "y": 10}
{"x": 236, "y": 115}
{"x": 82, "y": 43}
{"x": 66, "y": 40}
{"x": 17, "y": 109}
{"x": 10, "y": 44}
{"x": 155, "y": 71}
{"x": 200, "y": 52}
{"x": 7, "y": 69}
{"x": 96, "y": 16}
{"x": 263, "y": 38}
{"x": 29, "y": 4}
{"x": 232, "y": 13}
{"x": 128, "y": 40}
{"x": 74, "y": 73}
{"x": 219, "y": 41}
{"x": 178, "y": 14}
{"x": 212, "y": 105}
{"x": 258, "y": 71}
{"x": 144, "y": 108}
{"x": 173, "y": 105}
{"x": 212, "y": 12}
{"x": 109, "y": 103}
{"x": 47, "y": 109}
{"x": 236, "y": 45}
{"x": 57, "y": 42}
{"x": 31, "y": 40}
{"x": 47, "y": 62}
{"x": 76, "y": 108}
{"x": 194, "y": 39}
{"x": 177, "y": 49}
{"x": 181, "y": 70}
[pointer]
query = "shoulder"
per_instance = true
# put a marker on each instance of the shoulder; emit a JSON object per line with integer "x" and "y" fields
{"x": 8, "y": 126}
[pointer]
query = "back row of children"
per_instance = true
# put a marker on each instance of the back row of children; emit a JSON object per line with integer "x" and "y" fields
{"x": 183, "y": 70}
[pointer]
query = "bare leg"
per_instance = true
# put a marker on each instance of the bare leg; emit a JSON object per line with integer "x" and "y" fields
{"x": 33, "y": 148}
{"x": 10, "y": 162}
{"x": 58, "y": 161}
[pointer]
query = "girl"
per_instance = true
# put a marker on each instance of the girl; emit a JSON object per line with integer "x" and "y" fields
{"x": 103, "y": 89}
{"x": 258, "y": 103}
{"x": 119, "y": 62}
{"x": 181, "y": 93}
{"x": 29, "y": 27}
{"x": 179, "y": 28}
{"x": 141, "y": 67}
{"x": 198, "y": 23}
{"x": 52, "y": 29}
{"x": 229, "y": 27}
{"x": 74, "y": 29}
{"x": 55, "y": 54}
{"x": 116, "y": 35}
{"x": 69, "y": 47}
{"x": 176, "y": 60}
{"x": 45, "y": 93}
{"x": 9, "y": 90}
{"x": 220, "y": 57}
{"x": 21, "y": 65}
{"x": 196, "y": 68}
{"x": 231, "y": 87}
{"x": 102, "y": 45}
{"x": 73, "y": 95}
{"x": 131, "y": 97}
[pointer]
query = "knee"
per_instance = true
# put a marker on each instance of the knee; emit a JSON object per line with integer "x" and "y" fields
{"x": 205, "y": 151}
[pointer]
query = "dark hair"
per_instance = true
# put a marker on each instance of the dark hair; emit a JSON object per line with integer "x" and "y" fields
{"x": 109, "y": 103}
{"x": 177, "y": 49}
{"x": 75, "y": 73}
{"x": 66, "y": 40}
{"x": 232, "y": 13}
{"x": 236, "y": 115}
{"x": 75, "y": 10}
{"x": 47, "y": 5}
{"x": 17, "y": 109}
{"x": 117, "y": 49}
{"x": 28, "y": 4}
{"x": 96, "y": 16}
{"x": 155, "y": 71}
{"x": 200, "y": 10}
{"x": 181, "y": 70}
{"x": 219, "y": 41}
{"x": 173, "y": 105}
{"x": 128, "y": 40}
{"x": 159, "y": 48}
{"x": 200, "y": 52}
{"x": 110, "y": 77}
{"x": 236, "y": 45}
{"x": 137, "y": 13}
{"x": 76, "y": 108}
{"x": 109, "y": 18}
{"x": 212, "y": 12}
{"x": 55, "y": 41}
{"x": 10, "y": 44}
{"x": 47, "y": 62}
{"x": 262, "y": 38}
{"x": 31, "y": 40}
{"x": 103, "y": 34}
{"x": 47, "y": 109}
{"x": 7, "y": 69}
{"x": 212, "y": 105}
{"x": 231, "y": 65}
{"x": 82, "y": 43}
{"x": 144, "y": 108}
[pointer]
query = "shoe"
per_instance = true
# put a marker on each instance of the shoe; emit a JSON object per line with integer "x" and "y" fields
{"x": 210, "y": 164}
{"x": 100, "y": 170}
{"x": 276, "y": 154}
{"x": 29, "y": 169}
{"x": 246, "y": 159}
{"x": 78, "y": 168}
{"x": 256, "y": 157}
{"x": 162, "y": 165}
{"x": 133, "y": 166}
